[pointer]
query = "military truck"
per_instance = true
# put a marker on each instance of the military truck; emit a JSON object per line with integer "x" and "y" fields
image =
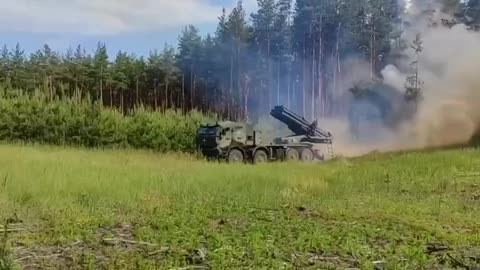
{"x": 240, "y": 142}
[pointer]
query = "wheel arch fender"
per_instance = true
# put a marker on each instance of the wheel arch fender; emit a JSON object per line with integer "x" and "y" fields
{"x": 262, "y": 148}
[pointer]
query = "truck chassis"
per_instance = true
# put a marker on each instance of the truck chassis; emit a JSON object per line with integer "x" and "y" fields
{"x": 273, "y": 152}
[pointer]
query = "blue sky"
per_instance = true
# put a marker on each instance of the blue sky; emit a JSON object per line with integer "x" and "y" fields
{"x": 136, "y": 26}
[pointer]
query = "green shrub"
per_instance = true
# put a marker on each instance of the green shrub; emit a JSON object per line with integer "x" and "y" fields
{"x": 68, "y": 122}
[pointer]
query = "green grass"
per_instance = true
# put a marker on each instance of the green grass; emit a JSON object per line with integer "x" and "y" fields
{"x": 342, "y": 214}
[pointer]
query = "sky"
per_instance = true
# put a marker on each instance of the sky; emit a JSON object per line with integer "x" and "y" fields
{"x": 135, "y": 26}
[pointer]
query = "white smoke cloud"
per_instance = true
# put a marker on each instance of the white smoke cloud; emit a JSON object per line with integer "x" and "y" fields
{"x": 393, "y": 77}
{"x": 104, "y": 16}
{"x": 449, "y": 112}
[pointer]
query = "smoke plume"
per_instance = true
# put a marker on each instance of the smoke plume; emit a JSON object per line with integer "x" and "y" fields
{"x": 449, "y": 112}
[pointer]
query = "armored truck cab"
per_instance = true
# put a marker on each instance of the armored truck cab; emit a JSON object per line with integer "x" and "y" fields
{"x": 220, "y": 140}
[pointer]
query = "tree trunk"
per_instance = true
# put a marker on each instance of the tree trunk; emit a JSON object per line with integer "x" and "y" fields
{"x": 166, "y": 94}
{"x": 51, "y": 87}
{"x": 288, "y": 86}
{"x": 334, "y": 90}
{"x": 245, "y": 108}
{"x": 336, "y": 58}
{"x": 193, "y": 91}
{"x": 183, "y": 92}
{"x": 101, "y": 85}
{"x": 304, "y": 90}
{"x": 239, "y": 80}
{"x": 314, "y": 73}
{"x": 372, "y": 52}
{"x": 338, "y": 65}
{"x": 192, "y": 88}
{"x": 320, "y": 104}
{"x": 214, "y": 99}
{"x": 278, "y": 84}
{"x": 121, "y": 101}
{"x": 270, "y": 75}
{"x": 76, "y": 83}
{"x": 172, "y": 101}
{"x": 155, "y": 95}
{"x": 231, "y": 98}
{"x": 137, "y": 91}
{"x": 294, "y": 92}
{"x": 111, "y": 96}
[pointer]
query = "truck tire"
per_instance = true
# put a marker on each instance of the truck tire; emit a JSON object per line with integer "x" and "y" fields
{"x": 292, "y": 154}
{"x": 260, "y": 156}
{"x": 235, "y": 156}
{"x": 307, "y": 155}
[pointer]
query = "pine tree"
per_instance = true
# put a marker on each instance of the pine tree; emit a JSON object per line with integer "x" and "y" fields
{"x": 239, "y": 35}
{"x": 80, "y": 68}
{"x": 139, "y": 74}
{"x": 413, "y": 82}
{"x": 188, "y": 54}
{"x": 154, "y": 72}
{"x": 302, "y": 25}
{"x": 120, "y": 75}
{"x": 282, "y": 49}
{"x": 5, "y": 67}
{"x": 100, "y": 69}
{"x": 48, "y": 63}
{"x": 222, "y": 62}
{"x": 171, "y": 73}
{"x": 208, "y": 71}
{"x": 18, "y": 72}
{"x": 263, "y": 32}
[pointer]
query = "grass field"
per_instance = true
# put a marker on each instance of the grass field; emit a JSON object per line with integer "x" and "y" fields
{"x": 83, "y": 209}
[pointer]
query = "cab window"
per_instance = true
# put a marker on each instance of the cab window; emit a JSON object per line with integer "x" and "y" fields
{"x": 225, "y": 130}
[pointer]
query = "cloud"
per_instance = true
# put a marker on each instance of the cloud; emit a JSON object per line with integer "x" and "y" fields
{"x": 103, "y": 16}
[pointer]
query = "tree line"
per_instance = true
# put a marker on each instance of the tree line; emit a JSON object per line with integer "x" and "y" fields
{"x": 287, "y": 52}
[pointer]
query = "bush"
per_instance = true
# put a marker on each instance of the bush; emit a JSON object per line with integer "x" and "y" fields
{"x": 67, "y": 122}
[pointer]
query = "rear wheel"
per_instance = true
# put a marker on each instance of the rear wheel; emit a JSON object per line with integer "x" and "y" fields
{"x": 292, "y": 154}
{"x": 260, "y": 156}
{"x": 235, "y": 156}
{"x": 307, "y": 155}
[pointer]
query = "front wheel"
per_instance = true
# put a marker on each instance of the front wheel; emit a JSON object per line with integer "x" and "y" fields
{"x": 235, "y": 156}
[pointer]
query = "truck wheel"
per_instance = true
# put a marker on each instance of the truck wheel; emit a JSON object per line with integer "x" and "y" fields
{"x": 292, "y": 154}
{"x": 307, "y": 155}
{"x": 235, "y": 156}
{"x": 260, "y": 156}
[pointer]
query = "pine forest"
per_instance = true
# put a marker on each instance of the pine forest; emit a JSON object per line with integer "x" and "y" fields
{"x": 287, "y": 52}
